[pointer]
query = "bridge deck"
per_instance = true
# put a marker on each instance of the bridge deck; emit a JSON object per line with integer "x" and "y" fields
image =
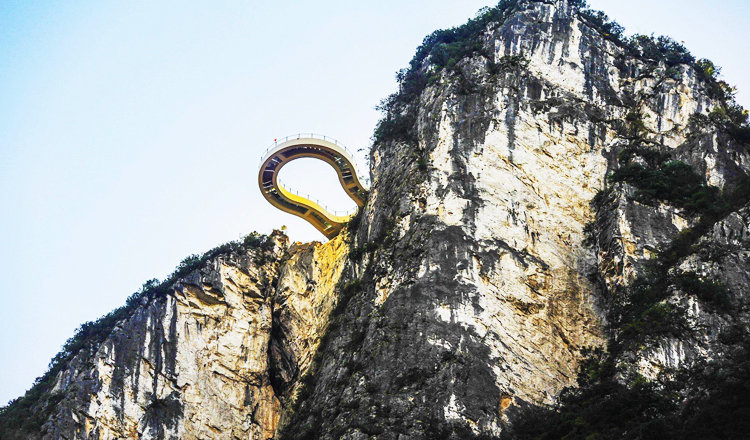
{"x": 327, "y": 150}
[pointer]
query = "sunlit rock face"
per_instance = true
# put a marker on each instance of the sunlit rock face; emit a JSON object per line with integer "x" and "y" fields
{"x": 213, "y": 357}
{"x": 477, "y": 290}
{"x": 467, "y": 287}
{"x": 721, "y": 255}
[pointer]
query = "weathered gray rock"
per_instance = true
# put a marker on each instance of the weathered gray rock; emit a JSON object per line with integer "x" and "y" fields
{"x": 210, "y": 359}
{"x": 477, "y": 290}
{"x": 469, "y": 283}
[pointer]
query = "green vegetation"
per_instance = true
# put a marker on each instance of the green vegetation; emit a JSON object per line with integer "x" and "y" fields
{"x": 707, "y": 400}
{"x": 611, "y": 30}
{"x": 657, "y": 178}
{"x": 26, "y": 414}
{"x": 353, "y": 223}
{"x": 673, "y": 182}
{"x": 710, "y": 292}
{"x": 601, "y": 408}
{"x": 732, "y": 119}
{"x": 641, "y": 312}
{"x": 665, "y": 52}
{"x": 660, "y": 50}
{"x": 444, "y": 49}
{"x": 688, "y": 404}
{"x": 695, "y": 403}
{"x": 728, "y": 117}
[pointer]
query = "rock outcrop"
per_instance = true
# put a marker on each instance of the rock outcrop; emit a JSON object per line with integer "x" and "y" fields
{"x": 486, "y": 271}
{"x": 510, "y": 222}
{"x": 211, "y": 357}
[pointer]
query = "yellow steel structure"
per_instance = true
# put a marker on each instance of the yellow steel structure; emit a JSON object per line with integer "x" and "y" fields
{"x": 318, "y": 147}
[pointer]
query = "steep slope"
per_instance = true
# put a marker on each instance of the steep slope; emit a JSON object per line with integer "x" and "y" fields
{"x": 485, "y": 272}
{"x": 203, "y": 355}
{"x": 555, "y": 245}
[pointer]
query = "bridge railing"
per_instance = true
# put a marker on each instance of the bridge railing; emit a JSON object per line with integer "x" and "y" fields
{"x": 278, "y": 141}
{"x": 338, "y": 213}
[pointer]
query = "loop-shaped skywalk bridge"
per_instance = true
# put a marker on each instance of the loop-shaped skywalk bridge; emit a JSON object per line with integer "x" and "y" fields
{"x": 314, "y": 146}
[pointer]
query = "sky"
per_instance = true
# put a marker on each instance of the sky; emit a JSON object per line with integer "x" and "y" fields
{"x": 130, "y": 132}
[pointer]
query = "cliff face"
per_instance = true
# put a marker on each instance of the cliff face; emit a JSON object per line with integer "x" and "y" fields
{"x": 532, "y": 173}
{"x": 209, "y": 358}
{"x": 486, "y": 270}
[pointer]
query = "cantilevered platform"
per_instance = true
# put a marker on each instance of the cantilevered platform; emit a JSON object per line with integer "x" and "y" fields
{"x": 320, "y": 147}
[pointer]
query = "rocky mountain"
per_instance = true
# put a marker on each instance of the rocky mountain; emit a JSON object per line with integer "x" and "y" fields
{"x": 556, "y": 245}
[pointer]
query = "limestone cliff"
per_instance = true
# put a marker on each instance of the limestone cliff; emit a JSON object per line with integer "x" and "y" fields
{"x": 542, "y": 187}
{"x": 551, "y": 164}
{"x": 210, "y": 354}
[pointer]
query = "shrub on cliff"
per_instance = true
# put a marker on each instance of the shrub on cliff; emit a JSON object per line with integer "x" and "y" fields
{"x": 712, "y": 397}
{"x": 26, "y": 414}
{"x": 443, "y": 49}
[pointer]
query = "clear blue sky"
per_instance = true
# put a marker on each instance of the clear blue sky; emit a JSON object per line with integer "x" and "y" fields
{"x": 130, "y": 132}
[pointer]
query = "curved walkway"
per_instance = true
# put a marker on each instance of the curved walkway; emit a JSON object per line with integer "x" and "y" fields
{"x": 320, "y": 147}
